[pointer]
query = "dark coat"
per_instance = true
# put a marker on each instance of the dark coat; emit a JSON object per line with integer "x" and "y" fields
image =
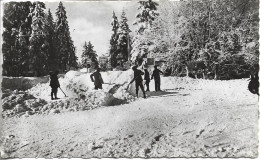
{"x": 54, "y": 83}
{"x": 138, "y": 76}
{"x": 98, "y": 81}
{"x": 156, "y": 74}
{"x": 146, "y": 76}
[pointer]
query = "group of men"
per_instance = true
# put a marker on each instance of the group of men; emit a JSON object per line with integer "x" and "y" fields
{"x": 139, "y": 80}
{"x": 98, "y": 81}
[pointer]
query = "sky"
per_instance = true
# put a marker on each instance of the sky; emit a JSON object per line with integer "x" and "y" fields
{"x": 91, "y": 21}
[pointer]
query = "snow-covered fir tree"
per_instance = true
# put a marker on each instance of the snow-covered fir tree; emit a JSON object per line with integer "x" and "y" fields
{"x": 88, "y": 54}
{"x": 113, "y": 40}
{"x": 38, "y": 42}
{"x": 52, "y": 59}
{"x": 123, "y": 41}
{"x": 84, "y": 56}
{"x": 63, "y": 38}
{"x": 147, "y": 13}
{"x": 14, "y": 46}
{"x": 92, "y": 54}
{"x": 72, "y": 60}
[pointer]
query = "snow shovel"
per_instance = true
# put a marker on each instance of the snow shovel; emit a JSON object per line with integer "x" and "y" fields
{"x": 115, "y": 88}
{"x": 128, "y": 86}
{"x": 63, "y": 92}
{"x": 109, "y": 83}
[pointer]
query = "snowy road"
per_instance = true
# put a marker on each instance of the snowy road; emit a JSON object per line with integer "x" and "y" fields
{"x": 206, "y": 122}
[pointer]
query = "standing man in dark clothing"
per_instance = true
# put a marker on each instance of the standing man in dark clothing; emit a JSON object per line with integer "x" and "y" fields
{"x": 147, "y": 79}
{"x": 157, "y": 79}
{"x": 253, "y": 85}
{"x": 98, "y": 81}
{"x": 138, "y": 80}
{"x": 54, "y": 83}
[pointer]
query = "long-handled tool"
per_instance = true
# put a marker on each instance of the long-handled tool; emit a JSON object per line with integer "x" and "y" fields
{"x": 133, "y": 80}
{"x": 63, "y": 92}
{"x": 109, "y": 83}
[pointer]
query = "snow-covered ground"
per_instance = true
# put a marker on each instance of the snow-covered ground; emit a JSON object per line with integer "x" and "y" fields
{"x": 189, "y": 118}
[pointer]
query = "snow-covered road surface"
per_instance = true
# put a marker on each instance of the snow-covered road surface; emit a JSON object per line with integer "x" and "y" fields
{"x": 217, "y": 120}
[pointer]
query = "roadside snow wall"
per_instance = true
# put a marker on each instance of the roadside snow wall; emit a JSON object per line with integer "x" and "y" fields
{"x": 77, "y": 84}
{"x": 79, "y": 90}
{"x": 22, "y": 83}
{"x": 82, "y": 96}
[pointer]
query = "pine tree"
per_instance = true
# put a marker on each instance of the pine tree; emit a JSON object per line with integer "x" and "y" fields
{"x": 113, "y": 41}
{"x": 38, "y": 42}
{"x": 84, "y": 55}
{"x": 123, "y": 37}
{"x": 88, "y": 54}
{"x": 52, "y": 59}
{"x": 64, "y": 45}
{"x": 14, "y": 24}
{"x": 72, "y": 60}
{"x": 92, "y": 54}
{"x": 147, "y": 13}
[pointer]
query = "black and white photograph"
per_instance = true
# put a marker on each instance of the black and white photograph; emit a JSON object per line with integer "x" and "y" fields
{"x": 129, "y": 79}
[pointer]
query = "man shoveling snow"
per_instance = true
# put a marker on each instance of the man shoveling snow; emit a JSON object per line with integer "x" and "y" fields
{"x": 138, "y": 80}
{"x": 98, "y": 81}
{"x": 54, "y": 83}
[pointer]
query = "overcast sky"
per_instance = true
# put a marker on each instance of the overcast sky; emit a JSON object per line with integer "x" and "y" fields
{"x": 91, "y": 21}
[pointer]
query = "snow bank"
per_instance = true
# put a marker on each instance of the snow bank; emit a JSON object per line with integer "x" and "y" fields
{"x": 75, "y": 84}
{"x": 22, "y": 83}
{"x": 18, "y": 103}
{"x": 81, "y": 94}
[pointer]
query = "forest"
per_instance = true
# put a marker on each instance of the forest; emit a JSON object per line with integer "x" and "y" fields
{"x": 33, "y": 44}
{"x": 221, "y": 34}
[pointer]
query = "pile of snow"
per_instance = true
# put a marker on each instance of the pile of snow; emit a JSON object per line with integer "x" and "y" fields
{"x": 17, "y": 103}
{"x": 84, "y": 70}
{"x": 81, "y": 94}
{"x": 77, "y": 84}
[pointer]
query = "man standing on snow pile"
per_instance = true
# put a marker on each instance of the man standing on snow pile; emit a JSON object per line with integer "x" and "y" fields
{"x": 157, "y": 79}
{"x": 138, "y": 80}
{"x": 98, "y": 81}
{"x": 147, "y": 79}
{"x": 54, "y": 83}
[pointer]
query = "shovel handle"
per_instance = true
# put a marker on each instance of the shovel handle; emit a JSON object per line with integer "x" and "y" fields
{"x": 63, "y": 92}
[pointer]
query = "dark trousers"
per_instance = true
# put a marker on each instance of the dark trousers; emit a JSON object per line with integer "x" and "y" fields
{"x": 137, "y": 85}
{"x": 54, "y": 91}
{"x": 147, "y": 85}
{"x": 98, "y": 86}
{"x": 157, "y": 83}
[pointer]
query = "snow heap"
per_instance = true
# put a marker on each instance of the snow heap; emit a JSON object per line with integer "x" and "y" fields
{"x": 78, "y": 84}
{"x": 18, "y": 103}
{"x": 80, "y": 94}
